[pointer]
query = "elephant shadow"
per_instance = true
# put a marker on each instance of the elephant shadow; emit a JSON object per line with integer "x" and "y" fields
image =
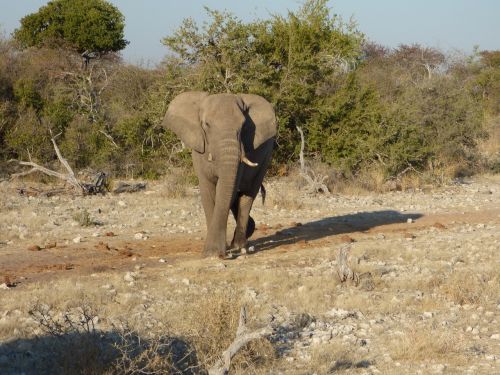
{"x": 96, "y": 352}
{"x": 331, "y": 226}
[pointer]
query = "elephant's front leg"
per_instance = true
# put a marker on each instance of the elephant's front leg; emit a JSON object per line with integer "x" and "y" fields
{"x": 245, "y": 225}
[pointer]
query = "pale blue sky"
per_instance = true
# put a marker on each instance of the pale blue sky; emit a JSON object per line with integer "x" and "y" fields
{"x": 446, "y": 24}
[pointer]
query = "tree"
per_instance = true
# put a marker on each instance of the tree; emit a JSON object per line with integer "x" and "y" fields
{"x": 290, "y": 60}
{"x": 81, "y": 25}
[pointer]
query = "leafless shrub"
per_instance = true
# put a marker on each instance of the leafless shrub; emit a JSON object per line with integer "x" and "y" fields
{"x": 159, "y": 355}
{"x": 76, "y": 320}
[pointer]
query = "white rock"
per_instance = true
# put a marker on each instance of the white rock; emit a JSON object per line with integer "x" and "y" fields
{"x": 495, "y": 336}
{"x": 438, "y": 369}
{"x": 138, "y": 236}
{"x": 409, "y": 221}
{"x": 4, "y": 286}
{"x": 428, "y": 314}
{"x": 77, "y": 239}
{"x": 186, "y": 281}
{"x": 161, "y": 260}
{"x": 121, "y": 203}
{"x": 130, "y": 276}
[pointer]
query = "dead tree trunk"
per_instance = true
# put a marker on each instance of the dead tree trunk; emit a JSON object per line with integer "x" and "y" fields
{"x": 343, "y": 269}
{"x": 315, "y": 182}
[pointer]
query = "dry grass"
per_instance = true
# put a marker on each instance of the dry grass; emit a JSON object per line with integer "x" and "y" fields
{"x": 336, "y": 357}
{"x": 424, "y": 343}
{"x": 177, "y": 183}
{"x": 211, "y": 326}
{"x": 471, "y": 288}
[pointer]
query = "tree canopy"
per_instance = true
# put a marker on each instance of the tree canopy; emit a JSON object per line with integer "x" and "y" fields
{"x": 82, "y": 25}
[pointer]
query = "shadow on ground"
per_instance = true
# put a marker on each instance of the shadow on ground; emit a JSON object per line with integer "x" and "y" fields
{"x": 97, "y": 353}
{"x": 330, "y": 226}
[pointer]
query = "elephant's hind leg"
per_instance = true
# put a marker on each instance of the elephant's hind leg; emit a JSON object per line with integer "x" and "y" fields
{"x": 245, "y": 225}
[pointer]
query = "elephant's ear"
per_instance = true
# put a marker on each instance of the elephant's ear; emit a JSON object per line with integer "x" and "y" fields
{"x": 261, "y": 117}
{"x": 183, "y": 119}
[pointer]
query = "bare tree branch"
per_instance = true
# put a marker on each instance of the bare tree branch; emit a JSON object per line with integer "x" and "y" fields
{"x": 242, "y": 338}
{"x": 69, "y": 177}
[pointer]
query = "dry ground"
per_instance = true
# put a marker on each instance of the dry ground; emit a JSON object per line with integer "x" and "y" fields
{"x": 428, "y": 300}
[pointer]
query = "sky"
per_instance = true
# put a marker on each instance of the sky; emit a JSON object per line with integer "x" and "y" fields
{"x": 446, "y": 24}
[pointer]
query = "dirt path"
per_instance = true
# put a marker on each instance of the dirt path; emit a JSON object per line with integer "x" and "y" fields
{"x": 19, "y": 265}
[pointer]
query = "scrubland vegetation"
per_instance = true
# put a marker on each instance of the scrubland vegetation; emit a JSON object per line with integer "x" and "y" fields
{"x": 114, "y": 284}
{"x": 366, "y": 110}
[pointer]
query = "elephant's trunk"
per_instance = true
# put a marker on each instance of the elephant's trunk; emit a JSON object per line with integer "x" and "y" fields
{"x": 228, "y": 162}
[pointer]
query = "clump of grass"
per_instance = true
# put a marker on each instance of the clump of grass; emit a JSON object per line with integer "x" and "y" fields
{"x": 84, "y": 219}
{"x": 470, "y": 288}
{"x": 336, "y": 357}
{"x": 178, "y": 182}
{"x": 420, "y": 344}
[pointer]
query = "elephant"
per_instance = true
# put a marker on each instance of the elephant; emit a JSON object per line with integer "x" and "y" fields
{"x": 232, "y": 138}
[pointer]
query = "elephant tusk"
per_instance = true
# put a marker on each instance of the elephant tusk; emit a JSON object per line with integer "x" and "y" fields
{"x": 248, "y": 162}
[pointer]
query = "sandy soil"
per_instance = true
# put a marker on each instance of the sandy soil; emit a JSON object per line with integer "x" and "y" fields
{"x": 416, "y": 247}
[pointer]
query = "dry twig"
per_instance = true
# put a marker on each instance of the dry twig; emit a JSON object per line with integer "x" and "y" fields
{"x": 243, "y": 337}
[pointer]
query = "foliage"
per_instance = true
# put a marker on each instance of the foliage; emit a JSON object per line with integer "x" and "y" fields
{"x": 93, "y": 25}
{"x": 361, "y": 106}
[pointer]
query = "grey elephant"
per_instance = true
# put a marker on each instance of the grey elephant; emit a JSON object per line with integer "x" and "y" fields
{"x": 232, "y": 138}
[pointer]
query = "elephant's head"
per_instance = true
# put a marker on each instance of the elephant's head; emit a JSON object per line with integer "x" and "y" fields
{"x": 208, "y": 123}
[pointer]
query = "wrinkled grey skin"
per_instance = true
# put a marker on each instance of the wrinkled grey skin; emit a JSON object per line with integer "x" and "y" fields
{"x": 225, "y": 131}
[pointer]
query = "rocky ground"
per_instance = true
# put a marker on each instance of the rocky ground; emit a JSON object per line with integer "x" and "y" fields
{"x": 427, "y": 300}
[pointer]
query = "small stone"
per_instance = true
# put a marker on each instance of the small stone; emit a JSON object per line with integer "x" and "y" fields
{"x": 251, "y": 249}
{"x": 186, "y": 281}
{"x": 139, "y": 236}
{"x": 77, "y": 239}
{"x": 301, "y": 288}
{"x": 409, "y": 221}
{"x": 4, "y": 286}
{"x": 428, "y": 314}
{"x": 34, "y": 248}
{"x": 495, "y": 336}
{"x": 121, "y": 203}
{"x": 130, "y": 276}
{"x": 161, "y": 260}
{"x": 438, "y": 369}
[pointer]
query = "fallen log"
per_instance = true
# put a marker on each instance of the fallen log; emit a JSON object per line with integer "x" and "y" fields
{"x": 124, "y": 187}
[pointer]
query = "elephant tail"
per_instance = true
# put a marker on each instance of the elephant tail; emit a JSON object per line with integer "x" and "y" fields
{"x": 263, "y": 193}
